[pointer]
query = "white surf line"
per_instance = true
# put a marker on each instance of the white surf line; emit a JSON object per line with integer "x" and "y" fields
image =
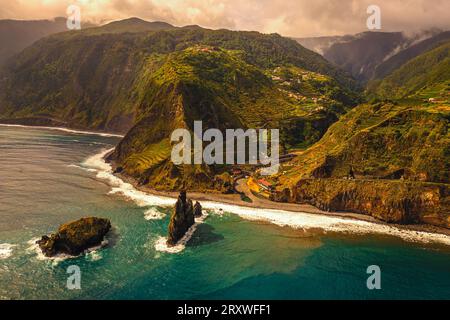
{"x": 81, "y": 167}
{"x": 105, "y": 172}
{"x": 305, "y": 221}
{"x": 6, "y": 250}
{"x": 93, "y": 133}
{"x": 297, "y": 220}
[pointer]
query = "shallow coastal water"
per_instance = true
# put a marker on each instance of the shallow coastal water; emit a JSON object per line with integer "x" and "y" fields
{"x": 49, "y": 177}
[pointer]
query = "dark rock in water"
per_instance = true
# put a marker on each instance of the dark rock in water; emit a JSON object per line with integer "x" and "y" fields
{"x": 75, "y": 237}
{"x": 181, "y": 220}
{"x": 197, "y": 209}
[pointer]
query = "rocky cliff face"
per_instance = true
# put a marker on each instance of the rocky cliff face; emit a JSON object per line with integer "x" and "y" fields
{"x": 75, "y": 237}
{"x": 181, "y": 220}
{"x": 398, "y": 153}
{"x": 390, "y": 201}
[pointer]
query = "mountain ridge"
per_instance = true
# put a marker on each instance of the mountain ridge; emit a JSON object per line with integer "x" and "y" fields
{"x": 426, "y": 76}
{"x": 16, "y": 35}
{"x": 362, "y": 54}
{"x": 72, "y": 71}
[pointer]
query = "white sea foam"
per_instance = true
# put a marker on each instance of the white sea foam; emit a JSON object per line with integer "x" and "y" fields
{"x": 298, "y": 220}
{"x": 94, "y": 256}
{"x": 102, "y": 134}
{"x": 95, "y": 249}
{"x": 6, "y": 250}
{"x": 161, "y": 246}
{"x": 34, "y": 248}
{"x": 161, "y": 242}
{"x": 153, "y": 214}
{"x": 81, "y": 167}
{"x": 105, "y": 172}
{"x": 305, "y": 221}
{"x": 91, "y": 253}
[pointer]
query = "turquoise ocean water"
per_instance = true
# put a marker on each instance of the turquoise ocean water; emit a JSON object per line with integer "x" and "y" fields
{"x": 50, "y": 177}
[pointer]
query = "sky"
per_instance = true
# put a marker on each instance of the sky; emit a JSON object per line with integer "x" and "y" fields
{"x": 296, "y": 18}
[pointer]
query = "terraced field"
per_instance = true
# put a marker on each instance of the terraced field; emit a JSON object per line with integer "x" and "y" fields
{"x": 152, "y": 156}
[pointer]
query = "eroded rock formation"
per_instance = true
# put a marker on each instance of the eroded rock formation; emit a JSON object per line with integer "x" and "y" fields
{"x": 197, "y": 209}
{"x": 181, "y": 220}
{"x": 75, "y": 237}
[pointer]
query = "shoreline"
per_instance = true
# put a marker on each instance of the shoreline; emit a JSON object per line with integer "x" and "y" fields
{"x": 293, "y": 208}
{"x": 235, "y": 199}
{"x": 296, "y": 216}
{"x": 64, "y": 129}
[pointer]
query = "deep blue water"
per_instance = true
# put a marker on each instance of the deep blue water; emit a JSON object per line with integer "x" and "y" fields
{"x": 43, "y": 184}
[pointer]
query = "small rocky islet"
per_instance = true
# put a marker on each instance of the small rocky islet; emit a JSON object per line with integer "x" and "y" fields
{"x": 183, "y": 218}
{"x": 75, "y": 237}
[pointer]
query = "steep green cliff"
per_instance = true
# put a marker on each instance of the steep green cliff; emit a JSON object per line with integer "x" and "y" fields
{"x": 221, "y": 89}
{"x": 390, "y": 161}
{"x": 427, "y": 76}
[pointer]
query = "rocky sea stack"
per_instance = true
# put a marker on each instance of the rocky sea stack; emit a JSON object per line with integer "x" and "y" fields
{"x": 197, "y": 209}
{"x": 181, "y": 220}
{"x": 75, "y": 237}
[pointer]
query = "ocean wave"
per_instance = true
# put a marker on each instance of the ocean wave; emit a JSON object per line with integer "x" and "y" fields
{"x": 81, "y": 167}
{"x": 34, "y": 248}
{"x": 6, "y": 250}
{"x": 153, "y": 214}
{"x": 298, "y": 220}
{"x": 101, "y": 134}
{"x": 90, "y": 254}
{"x": 94, "y": 255}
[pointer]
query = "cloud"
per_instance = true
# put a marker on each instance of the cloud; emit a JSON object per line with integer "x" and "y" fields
{"x": 287, "y": 17}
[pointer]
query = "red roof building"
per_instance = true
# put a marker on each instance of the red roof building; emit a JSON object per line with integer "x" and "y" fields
{"x": 265, "y": 184}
